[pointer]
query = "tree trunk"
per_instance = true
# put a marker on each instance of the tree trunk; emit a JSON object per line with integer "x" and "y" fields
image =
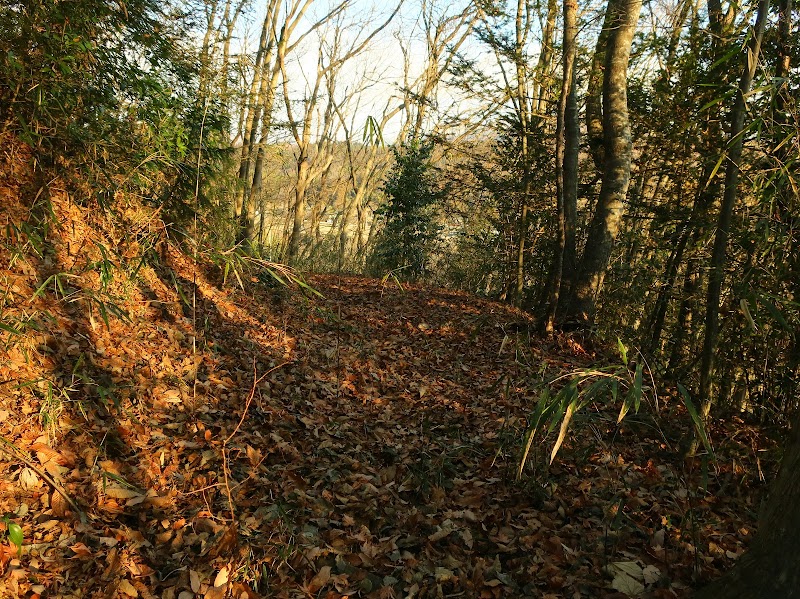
{"x": 786, "y": 196}
{"x": 572, "y": 133}
{"x": 299, "y": 209}
{"x": 770, "y": 569}
{"x": 523, "y": 237}
{"x": 207, "y": 50}
{"x": 542, "y": 75}
{"x": 718, "y": 256}
{"x": 594, "y": 93}
{"x": 616, "y": 161}
{"x": 251, "y": 107}
{"x": 567, "y": 138}
{"x": 685, "y": 321}
{"x": 688, "y": 237}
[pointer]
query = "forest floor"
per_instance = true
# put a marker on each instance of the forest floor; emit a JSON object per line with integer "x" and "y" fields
{"x": 164, "y": 436}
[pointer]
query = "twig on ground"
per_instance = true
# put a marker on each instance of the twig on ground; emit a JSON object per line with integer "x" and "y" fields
{"x": 11, "y": 450}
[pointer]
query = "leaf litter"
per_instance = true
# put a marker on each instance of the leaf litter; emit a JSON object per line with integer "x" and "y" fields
{"x": 267, "y": 442}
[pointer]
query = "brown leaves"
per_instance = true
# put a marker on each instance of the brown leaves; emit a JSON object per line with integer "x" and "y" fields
{"x": 377, "y": 463}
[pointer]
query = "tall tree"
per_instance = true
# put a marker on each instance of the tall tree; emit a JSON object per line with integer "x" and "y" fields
{"x": 787, "y": 188}
{"x": 523, "y": 98}
{"x": 278, "y": 29}
{"x": 718, "y": 257}
{"x": 333, "y": 55}
{"x": 617, "y": 149}
{"x": 567, "y": 146}
{"x": 530, "y": 112}
{"x": 444, "y": 33}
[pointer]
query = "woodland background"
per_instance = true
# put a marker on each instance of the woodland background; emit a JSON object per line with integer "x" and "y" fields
{"x": 622, "y": 175}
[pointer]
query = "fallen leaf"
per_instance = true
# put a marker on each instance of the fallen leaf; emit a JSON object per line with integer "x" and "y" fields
{"x": 466, "y": 536}
{"x": 222, "y": 576}
{"x": 58, "y": 504}
{"x": 120, "y": 493}
{"x": 444, "y": 575}
{"x": 216, "y": 592}
{"x": 194, "y": 580}
{"x": 81, "y": 550}
{"x": 445, "y": 529}
{"x": 628, "y": 585}
{"x": 651, "y": 574}
{"x": 225, "y": 542}
{"x": 632, "y": 569}
{"x": 127, "y": 588}
{"x": 320, "y": 579}
{"x": 28, "y": 479}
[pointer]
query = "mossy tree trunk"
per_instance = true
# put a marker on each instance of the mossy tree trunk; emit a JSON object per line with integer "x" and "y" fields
{"x": 616, "y": 161}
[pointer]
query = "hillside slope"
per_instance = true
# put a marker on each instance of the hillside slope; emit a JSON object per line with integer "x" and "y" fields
{"x": 164, "y": 437}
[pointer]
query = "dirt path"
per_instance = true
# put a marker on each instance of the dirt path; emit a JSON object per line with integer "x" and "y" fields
{"x": 374, "y": 456}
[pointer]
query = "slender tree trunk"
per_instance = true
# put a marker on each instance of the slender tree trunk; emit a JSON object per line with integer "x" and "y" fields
{"x": 786, "y": 196}
{"x": 572, "y": 134}
{"x": 207, "y": 51}
{"x": 360, "y": 226}
{"x": 444, "y": 36}
{"x": 230, "y": 25}
{"x": 616, "y": 162}
{"x": 594, "y": 92}
{"x": 279, "y": 39}
{"x": 708, "y": 184}
{"x": 252, "y": 107}
{"x": 299, "y": 209}
{"x": 675, "y": 34}
{"x": 524, "y": 116}
{"x": 567, "y": 138}
{"x": 267, "y": 75}
{"x": 687, "y": 238}
{"x": 684, "y": 323}
{"x": 252, "y": 187}
{"x": 718, "y": 256}
{"x": 523, "y": 237}
{"x": 532, "y": 95}
{"x": 541, "y": 90}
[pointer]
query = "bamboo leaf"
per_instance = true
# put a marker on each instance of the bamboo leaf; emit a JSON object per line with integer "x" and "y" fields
{"x": 623, "y": 351}
{"x": 637, "y": 386}
{"x": 9, "y": 329}
{"x": 746, "y": 311}
{"x": 698, "y": 422}
{"x": 562, "y": 433}
{"x": 775, "y": 313}
{"x": 716, "y": 166}
{"x": 42, "y": 287}
{"x": 307, "y": 287}
{"x": 541, "y": 407}
{"x": 566, "y": 396}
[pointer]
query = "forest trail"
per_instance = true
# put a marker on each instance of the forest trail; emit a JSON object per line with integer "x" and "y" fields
{"x": 269, "y": 442}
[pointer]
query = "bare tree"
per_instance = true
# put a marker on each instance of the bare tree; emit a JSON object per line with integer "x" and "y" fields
{"x": 278, "y": 29}
{"x": 444, "y": 35}
{"x": 215, "y": 63}
{"x": 333, "y": 55}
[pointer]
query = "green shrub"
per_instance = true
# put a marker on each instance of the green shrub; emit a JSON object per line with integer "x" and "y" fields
{"x": 405, "y": 244}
